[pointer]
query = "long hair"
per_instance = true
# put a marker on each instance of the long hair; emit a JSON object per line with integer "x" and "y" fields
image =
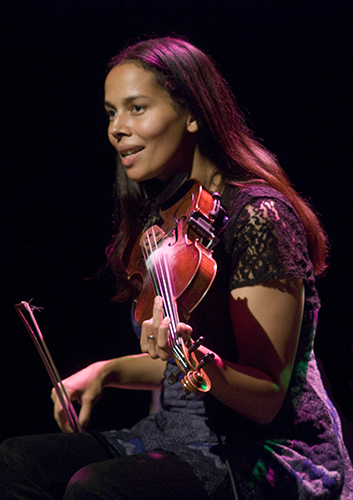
{"x": 194, "y": 83}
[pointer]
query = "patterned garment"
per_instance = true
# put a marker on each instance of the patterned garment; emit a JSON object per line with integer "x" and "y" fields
{"x": 300, "y": 455}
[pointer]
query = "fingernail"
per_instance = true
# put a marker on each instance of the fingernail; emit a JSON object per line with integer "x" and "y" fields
{"x": 158, "y": 301}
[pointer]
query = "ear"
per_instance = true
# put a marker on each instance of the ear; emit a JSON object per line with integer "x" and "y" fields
{"x": 191, "y": 124}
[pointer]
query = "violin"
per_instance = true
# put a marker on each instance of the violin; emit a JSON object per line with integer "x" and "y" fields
{"x": 173, "y": 259}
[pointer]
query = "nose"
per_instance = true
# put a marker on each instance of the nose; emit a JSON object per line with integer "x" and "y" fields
{"x": 119, "y": 127}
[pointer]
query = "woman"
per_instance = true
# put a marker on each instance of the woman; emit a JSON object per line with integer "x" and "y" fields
{"x": 265, "y": 429}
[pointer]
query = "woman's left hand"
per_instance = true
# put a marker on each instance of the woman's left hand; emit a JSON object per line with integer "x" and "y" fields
{"x": 155, "y": 333}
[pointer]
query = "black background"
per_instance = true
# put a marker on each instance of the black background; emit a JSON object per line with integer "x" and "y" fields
{"x": 289, "y": 64}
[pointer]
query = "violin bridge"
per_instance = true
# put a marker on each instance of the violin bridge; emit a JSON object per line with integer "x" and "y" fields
{"x": 151, "y": 237}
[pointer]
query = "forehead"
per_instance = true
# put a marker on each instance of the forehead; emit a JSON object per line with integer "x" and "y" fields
{"x": 130, "y": 79}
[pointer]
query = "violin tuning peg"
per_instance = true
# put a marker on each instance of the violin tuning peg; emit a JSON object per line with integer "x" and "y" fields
{"x": 174, "y": 377}
{"x": 186, "y": 393}
{"x": 196, "y": 344}
{"x": 206, "y": 360}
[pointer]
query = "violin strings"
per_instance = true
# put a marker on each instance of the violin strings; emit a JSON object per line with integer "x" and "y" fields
{"x": 159, "y": 271}
{"x": 161, "y": 286}
{"x": 158, "y": 275}
{"x": 169, "y": 295}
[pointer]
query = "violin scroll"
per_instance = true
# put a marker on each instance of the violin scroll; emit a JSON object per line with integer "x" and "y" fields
{"x": 195, "y": 380}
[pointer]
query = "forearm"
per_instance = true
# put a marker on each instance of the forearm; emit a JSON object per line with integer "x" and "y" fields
{"x": 246, "y": 390}
{"x": 133, "y": 372}
{"x": 85, "y": 386}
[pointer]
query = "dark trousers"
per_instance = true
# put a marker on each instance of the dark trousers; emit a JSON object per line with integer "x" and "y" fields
{"x": 80, "y": 467}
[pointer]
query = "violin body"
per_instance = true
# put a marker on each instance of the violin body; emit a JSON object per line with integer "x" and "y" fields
{"x": 192, "y": 270}
{"x": 174, "y": 260}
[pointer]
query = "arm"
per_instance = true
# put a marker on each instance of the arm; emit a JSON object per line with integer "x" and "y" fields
{"x": 266, "y": 321}
{"x": 86, "y": 386}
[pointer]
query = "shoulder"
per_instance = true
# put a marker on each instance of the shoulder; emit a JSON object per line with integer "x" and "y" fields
{"x": 261, "y": 204}
{"x": 265, "y": 232}
{"x": 237, "y": 197}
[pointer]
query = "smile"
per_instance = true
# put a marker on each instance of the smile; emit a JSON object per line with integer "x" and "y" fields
{"x": 129, "y": 154}
{"x": 129, "y": 150}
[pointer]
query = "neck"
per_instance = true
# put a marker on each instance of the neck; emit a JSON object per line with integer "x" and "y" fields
{"x": 206, "y": 173}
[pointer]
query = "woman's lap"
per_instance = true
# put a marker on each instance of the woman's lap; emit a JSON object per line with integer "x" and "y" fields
{"x": 40, "y": 467}
{"x": 43, "y": 467}
{"x": 149, "y": 476}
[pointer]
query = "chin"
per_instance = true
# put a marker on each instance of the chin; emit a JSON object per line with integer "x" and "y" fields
{"x": 139, "y": 176}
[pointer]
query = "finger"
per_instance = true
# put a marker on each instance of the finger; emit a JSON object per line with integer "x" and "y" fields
{"x": 149, "y": 332}
{"x": 85, "y": 413}
{"x": 146, "y": 332}
{"x": 157, "y": 316}
{"x": 163, "y": 334}
{"x": 89, "y": 398}
{"x": 61, "y": 419}
{"x": 152, "y": 347}
{"x": 59, "y": 413}
{"x": 185, "y": 331}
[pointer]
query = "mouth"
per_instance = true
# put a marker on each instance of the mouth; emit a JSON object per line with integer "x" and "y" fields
{"x": 129, "y": 151}
{"x": 128, "y": 154}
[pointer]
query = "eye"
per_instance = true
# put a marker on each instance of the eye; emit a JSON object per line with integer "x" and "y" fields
{"x": 110, "y": 112}
{"x": 138, "y": 108}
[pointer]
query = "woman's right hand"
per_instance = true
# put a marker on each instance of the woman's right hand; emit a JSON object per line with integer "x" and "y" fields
{"x": 85, "y": 387}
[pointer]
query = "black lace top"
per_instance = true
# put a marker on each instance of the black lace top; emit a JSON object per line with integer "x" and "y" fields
{"x": 301, "y": 453}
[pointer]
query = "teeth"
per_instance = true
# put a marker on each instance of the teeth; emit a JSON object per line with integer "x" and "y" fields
{"x": 131, "y": 152}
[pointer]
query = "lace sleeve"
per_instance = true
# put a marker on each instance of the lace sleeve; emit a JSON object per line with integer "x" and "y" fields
{"x": 266, "y": 241}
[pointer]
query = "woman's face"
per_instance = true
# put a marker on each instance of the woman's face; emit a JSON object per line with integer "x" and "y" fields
{"x": 152, "y": 137}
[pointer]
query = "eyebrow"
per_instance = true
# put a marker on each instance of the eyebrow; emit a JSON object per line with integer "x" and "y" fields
{"x": 127, "y": 100}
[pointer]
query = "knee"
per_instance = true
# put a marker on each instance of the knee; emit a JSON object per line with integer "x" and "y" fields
{"x": 23, "y": 454}
{"x": 12, "y": 451}
{"x": 86, "y": 484}
{"x": 13, "y": 468}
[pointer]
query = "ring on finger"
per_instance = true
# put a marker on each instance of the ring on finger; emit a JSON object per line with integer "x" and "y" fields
{"x": 151, "y": 337}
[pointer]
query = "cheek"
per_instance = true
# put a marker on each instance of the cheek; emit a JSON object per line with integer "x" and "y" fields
{"x": 160, "y": 127}
{"x": 112, "y": 139}
{"x": 148, "y": 131}
{"x": 166, "y": 141}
